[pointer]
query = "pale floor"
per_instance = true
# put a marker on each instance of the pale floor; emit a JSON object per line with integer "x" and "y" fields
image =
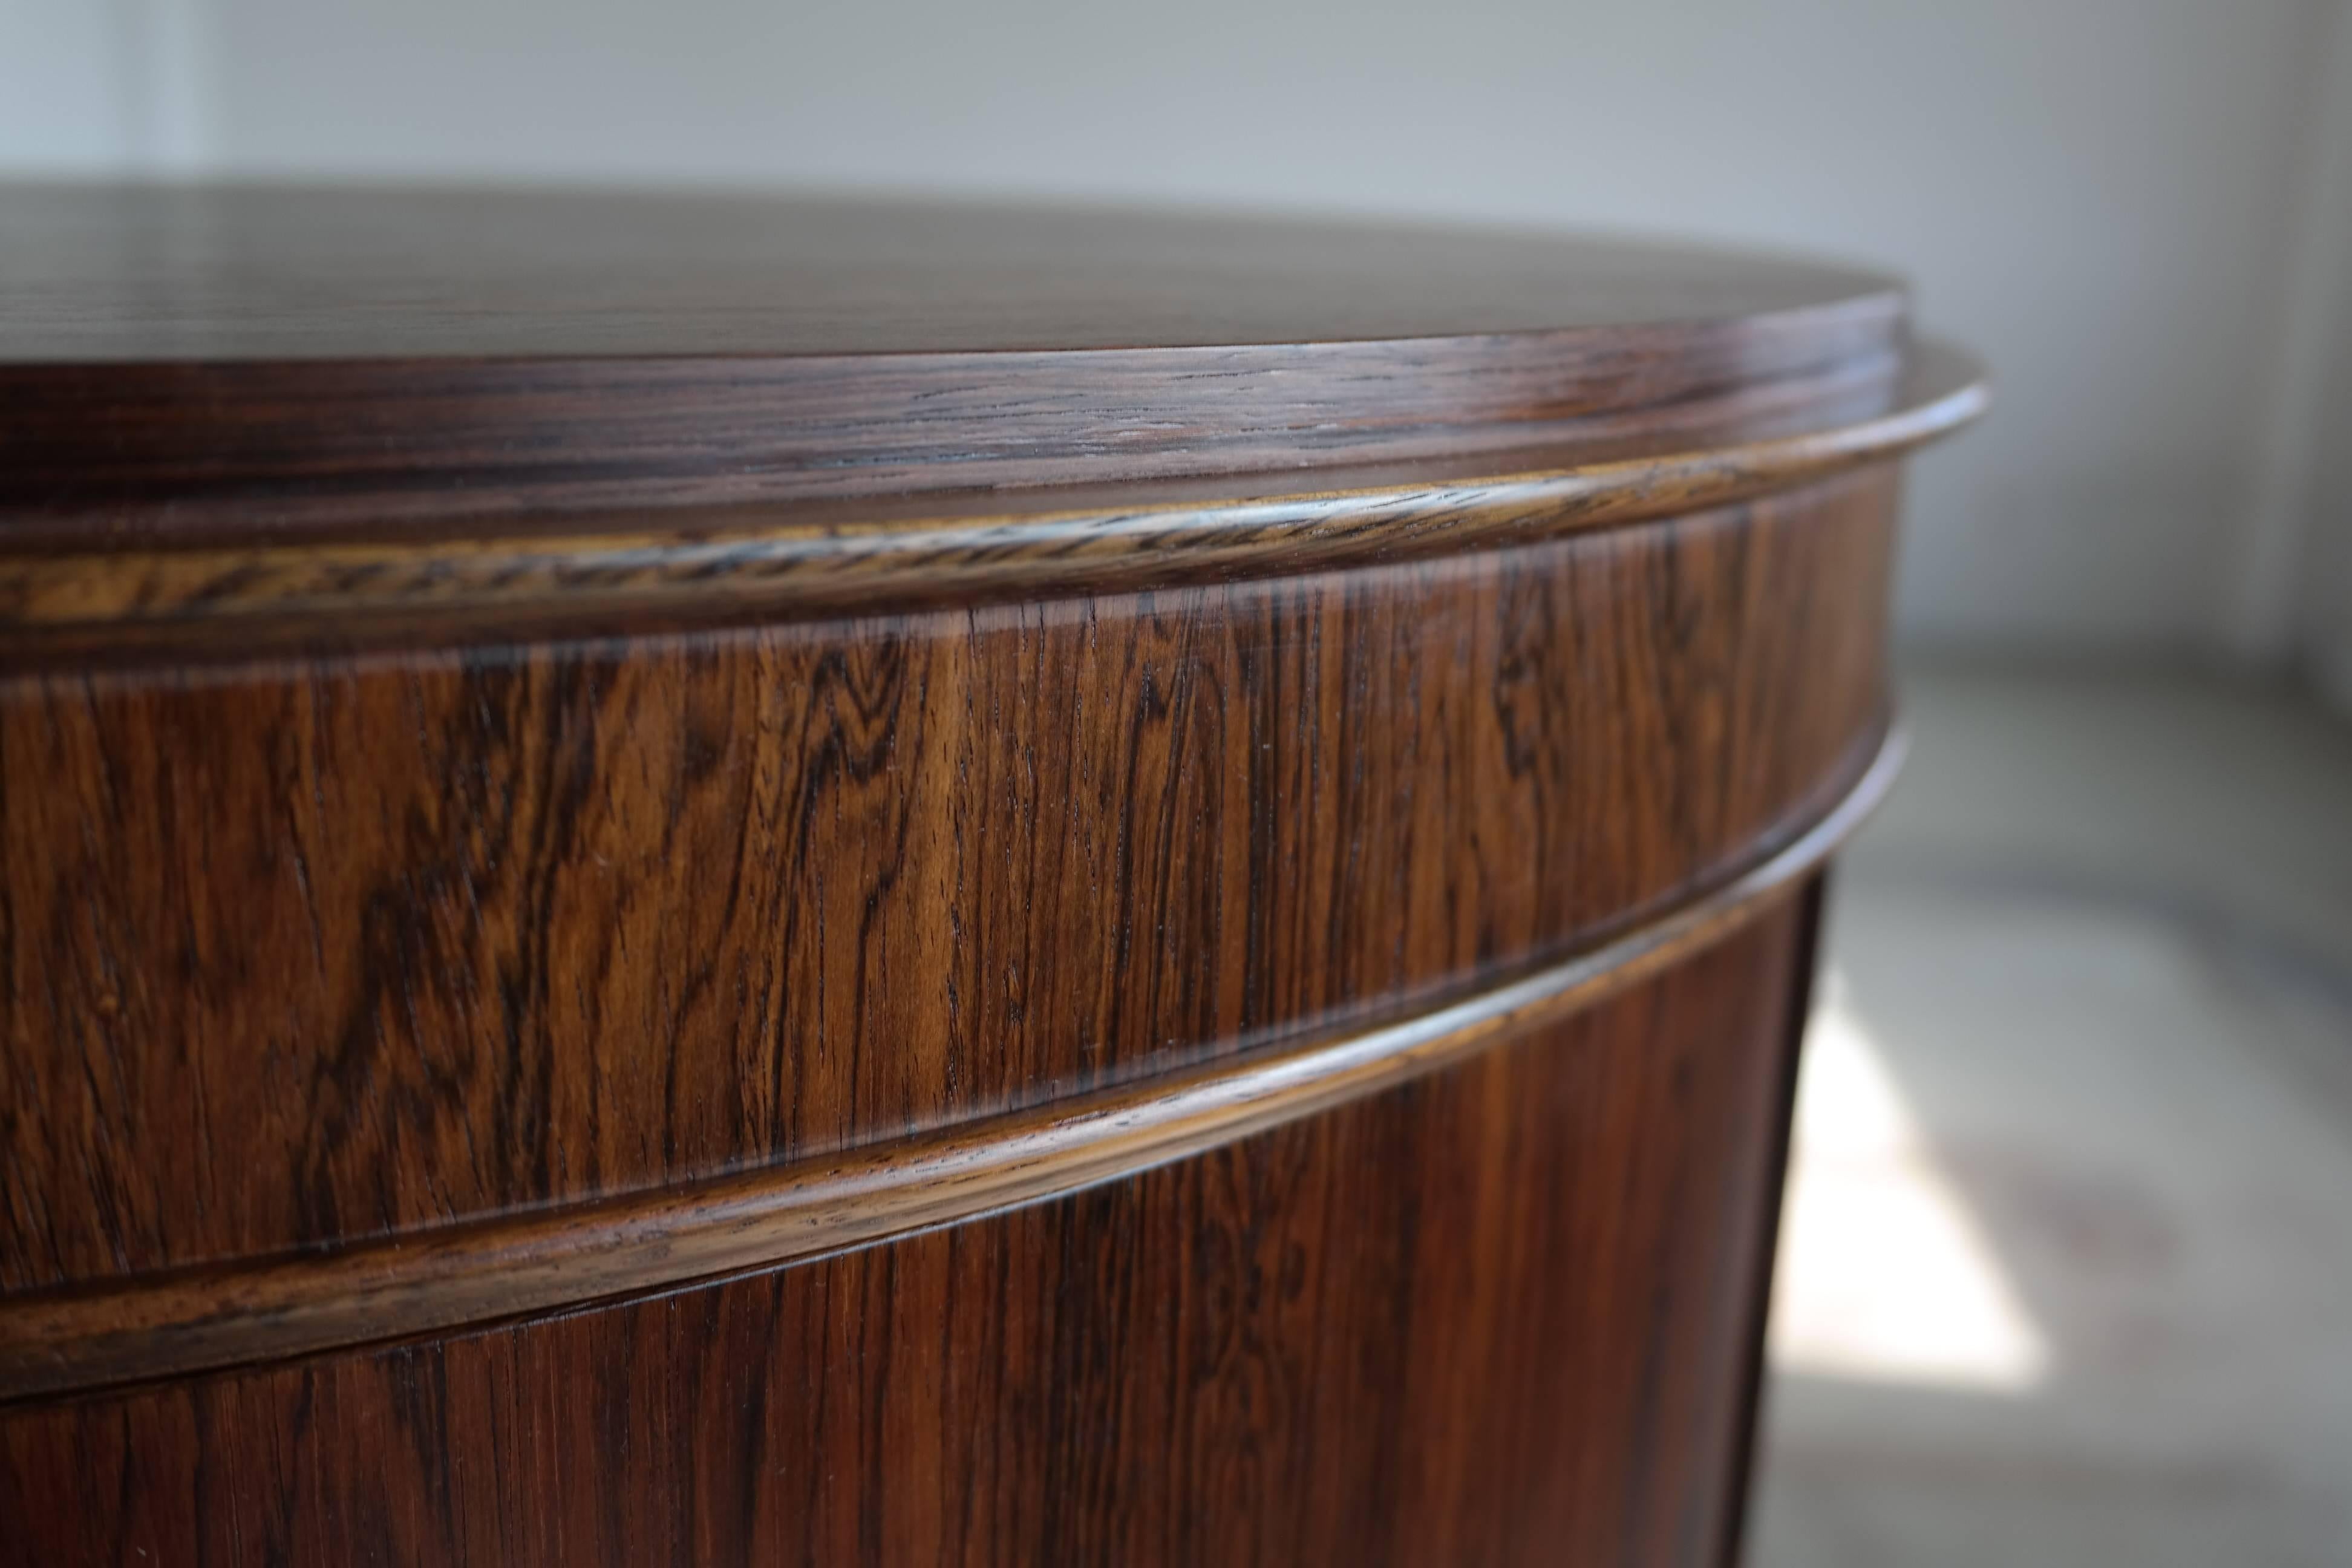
{"x": 2067, "y": 1271}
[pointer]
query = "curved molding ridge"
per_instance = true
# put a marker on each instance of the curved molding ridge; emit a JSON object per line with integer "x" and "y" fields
{"x": 740, "y": 565}
{"x": 481, "y": 1271}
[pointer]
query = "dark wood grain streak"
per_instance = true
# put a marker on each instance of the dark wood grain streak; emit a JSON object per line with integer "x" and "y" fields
{"x": 316, "y": 950}
{"x": 1496, "y": 1316}
{"x": 723, "y": 880}
{"x": 1748, "y": 1426}
{"x": 719, "y": 565}
{"x": 261, "y": 361}
{"x": 273, "y": 448}
{"x": 157, "y": 1326}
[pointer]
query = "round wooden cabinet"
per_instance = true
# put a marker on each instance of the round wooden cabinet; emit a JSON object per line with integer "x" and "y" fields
{"x": 720, "y": 881}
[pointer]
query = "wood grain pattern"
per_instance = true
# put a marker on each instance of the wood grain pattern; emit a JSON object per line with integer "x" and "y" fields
{"x": 134, "y": 276}
{"x": 592, "y": 789}
{"x": 257, "y": 362}
{"x": 467, "y": 1274}
{"x": 707, "y": 565}
{"x": 323, "y": 951}
{"x": 1496, "y": 1316}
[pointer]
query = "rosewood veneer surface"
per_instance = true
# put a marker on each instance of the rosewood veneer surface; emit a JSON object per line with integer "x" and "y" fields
{"x": 724, "y": 880}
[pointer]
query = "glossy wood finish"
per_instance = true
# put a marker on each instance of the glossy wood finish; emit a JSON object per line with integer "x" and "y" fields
{"x": 259, "y": 363}
{"x": 366, "y": 946}
{"x": 461, "y": 1274}
{"x": 713, "y": 564}
{"x": 552, "y": 754}
{"x": 1496, "y": 1316}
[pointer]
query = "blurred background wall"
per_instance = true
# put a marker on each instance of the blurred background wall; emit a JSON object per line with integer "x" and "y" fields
{"x": 2140, "y": 211}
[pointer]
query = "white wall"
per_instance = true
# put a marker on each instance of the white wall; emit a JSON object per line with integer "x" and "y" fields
{"x": 2323, "y": 626}
{"x": 2313, "y": 483}
{"x": 93, "y": 87}
{"x": 62, "y": 87}
{"x": 2323, "y": 630}
{"x": 2095, "y": 193}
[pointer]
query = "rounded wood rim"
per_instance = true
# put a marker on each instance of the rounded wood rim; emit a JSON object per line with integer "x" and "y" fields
{"x": 192, "y": 365}
{"x": 710, "y": 565}
{"x": 480, "y": 1272}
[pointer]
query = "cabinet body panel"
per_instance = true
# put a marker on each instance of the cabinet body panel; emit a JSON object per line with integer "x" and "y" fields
{"x": 723, "y": 880}
{"x": 1500, "y": 1315}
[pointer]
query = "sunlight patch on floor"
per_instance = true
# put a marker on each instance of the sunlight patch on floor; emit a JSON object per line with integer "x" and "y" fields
{"x": 1885, "y": 1276}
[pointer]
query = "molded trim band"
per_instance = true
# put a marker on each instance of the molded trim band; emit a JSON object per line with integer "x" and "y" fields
{"x": 738, "y": 565}
{"x": 551, "y": 1259}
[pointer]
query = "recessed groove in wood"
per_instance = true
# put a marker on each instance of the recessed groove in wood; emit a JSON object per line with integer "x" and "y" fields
{"x": 723, "y": 567}
{"x": 52, "y": 1343}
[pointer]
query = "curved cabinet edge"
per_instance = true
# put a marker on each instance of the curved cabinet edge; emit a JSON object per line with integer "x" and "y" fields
{"x": 548, "y": 582}
{"x": 83, "y": 1339}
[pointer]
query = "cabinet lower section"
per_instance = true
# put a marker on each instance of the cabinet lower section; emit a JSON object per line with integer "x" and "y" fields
{"x": 1504, "y": 1313}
